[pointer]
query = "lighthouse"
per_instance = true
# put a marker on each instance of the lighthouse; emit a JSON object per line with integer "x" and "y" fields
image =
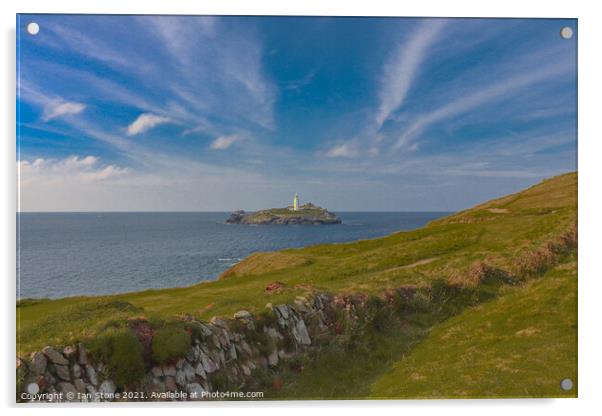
{"x": 296, "y": 202}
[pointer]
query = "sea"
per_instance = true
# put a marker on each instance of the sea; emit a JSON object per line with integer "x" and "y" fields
{"x": 69, "y": 254}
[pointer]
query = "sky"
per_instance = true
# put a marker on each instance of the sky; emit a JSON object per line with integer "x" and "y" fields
{"x": 203, "y": 113}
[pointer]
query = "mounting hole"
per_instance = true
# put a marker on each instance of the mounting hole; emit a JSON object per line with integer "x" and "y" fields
{"x": 566, "y": 384}
{"x": 566, "y": 32}
{"x": 33, "y": 28}
{"x": 33, "y": 388}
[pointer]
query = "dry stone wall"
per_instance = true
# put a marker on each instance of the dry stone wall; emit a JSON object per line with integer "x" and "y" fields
{"x": 234, "y": 349}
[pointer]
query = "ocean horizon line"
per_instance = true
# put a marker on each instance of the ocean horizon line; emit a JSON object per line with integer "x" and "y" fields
{"x": 219, "y": 212}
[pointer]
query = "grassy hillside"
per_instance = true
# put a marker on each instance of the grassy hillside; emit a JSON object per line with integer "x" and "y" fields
{"x": 496, "y": 231}
{"x": 522, "y": 344}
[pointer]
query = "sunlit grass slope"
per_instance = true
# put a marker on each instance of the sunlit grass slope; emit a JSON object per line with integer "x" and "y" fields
{"x": 497, "y": 231}
{"x": 521, "y": 344}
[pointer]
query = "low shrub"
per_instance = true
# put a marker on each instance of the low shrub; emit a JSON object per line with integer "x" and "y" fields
{"x": 219, "y": 381}
{"x": 420, "y": 302}
{"x": 378, "y": 313}
{"x": 261, "y": 379}
{"x": 264, "y": 344}
{"x": 537, "y": 261}
{"x": 266, "y": 318}
{"x": 170, "y": 342}
{"x": 195, "y": 330}
{"x": 122, "y": 353}
{"x": 287, "y": 342}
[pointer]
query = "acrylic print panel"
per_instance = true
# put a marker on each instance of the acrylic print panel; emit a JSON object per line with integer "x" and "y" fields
{"x": 259, "y": 208}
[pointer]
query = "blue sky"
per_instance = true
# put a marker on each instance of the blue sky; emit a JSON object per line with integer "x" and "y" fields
{"x": 168, "y": 113}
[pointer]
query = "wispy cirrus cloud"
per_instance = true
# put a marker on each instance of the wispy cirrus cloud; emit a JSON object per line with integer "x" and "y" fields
{"x": 345, "y": 150}
{"x": 145, "y": 122}
{"x": 224, "y": 142}
{"x": 402, "y": 67}
{"x": 52, "y": 106}
{"x": 59, "y": 108}
{"x": 474, "y": 97}
{"x": 218, "y": 70}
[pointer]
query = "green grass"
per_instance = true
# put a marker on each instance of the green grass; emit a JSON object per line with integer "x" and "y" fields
{"x": 497, "y": 231}
{"x": 520, "y": 345}
{"x": 301, "y": 212}
{"x": 170, "y": 342}
{"x": 346, "y": 372}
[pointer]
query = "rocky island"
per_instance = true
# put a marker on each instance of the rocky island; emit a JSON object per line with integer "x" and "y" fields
{"x": 295, "y": 214}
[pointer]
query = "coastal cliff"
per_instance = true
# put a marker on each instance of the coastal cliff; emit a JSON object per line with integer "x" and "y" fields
{"x": 306, "y": 214}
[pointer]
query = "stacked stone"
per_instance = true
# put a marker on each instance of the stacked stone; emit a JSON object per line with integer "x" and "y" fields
{"x": 219, "y": 349}
{"x": 66, "y": 375}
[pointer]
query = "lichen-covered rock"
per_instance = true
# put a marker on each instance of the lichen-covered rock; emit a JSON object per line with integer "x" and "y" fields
{"x": 79, "y": 385}
{"x": 49, "y": 378}
{"x": 300, "y": 333}
{"x": 243, "y": 315}
{"x": 170, "y": 383}
{"x": 273, "y": 358}
{"x": 169, "y": 370}
{"x": 157, "y": 371}
{"x": 62, "y": 371}
{"x": 189, "y": 372}
{"x": 157, "y": 387}
{"x": 69, "y": 391}
{"x": 200, "y": 371}
{"x": 231, "y": 356}
{"x": 92, "y": 376}
{"x": 221, "y": 358}
{"x": 282, "y": 311}
{"x": 180, "y": 378}
{"x": 69, "y": 351}
{"x": 216, "y": 321}
{"x": 107, "y": 388}
{"x": 76, "y": 370}
{"x": 208, "y": 364}
{"x": 205, "y": 329}
{"x": 92, "y": 392}
{"x": 82, "y": 355}
{"x": 245, "y": 370}
{"x": 38, "y": 363}
{"x": 54, "y": 356}
{"x": 195, "y": 390}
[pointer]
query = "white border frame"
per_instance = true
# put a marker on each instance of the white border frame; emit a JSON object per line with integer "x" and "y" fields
{"x": 590, "y": 209}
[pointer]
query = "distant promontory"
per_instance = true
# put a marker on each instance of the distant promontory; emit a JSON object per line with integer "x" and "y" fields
{"x": 295, "y": 214}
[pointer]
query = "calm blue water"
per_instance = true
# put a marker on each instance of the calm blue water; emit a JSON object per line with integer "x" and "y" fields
{"x": 66, "y": 254}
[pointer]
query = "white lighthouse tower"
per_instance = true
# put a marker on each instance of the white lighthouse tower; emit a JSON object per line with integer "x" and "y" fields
{"x": 296, "y": 202}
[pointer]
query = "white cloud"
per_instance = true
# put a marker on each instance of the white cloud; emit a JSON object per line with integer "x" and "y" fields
{"x": 70, "y": 169}
{"x": 59, "y": 108}
{"x": 401, "y": 69}
{"x": 224, "y": 142}
{"x": 144, "y": 122}
{"x": 52, "y": 106}
{"x": 343, "y": 150}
